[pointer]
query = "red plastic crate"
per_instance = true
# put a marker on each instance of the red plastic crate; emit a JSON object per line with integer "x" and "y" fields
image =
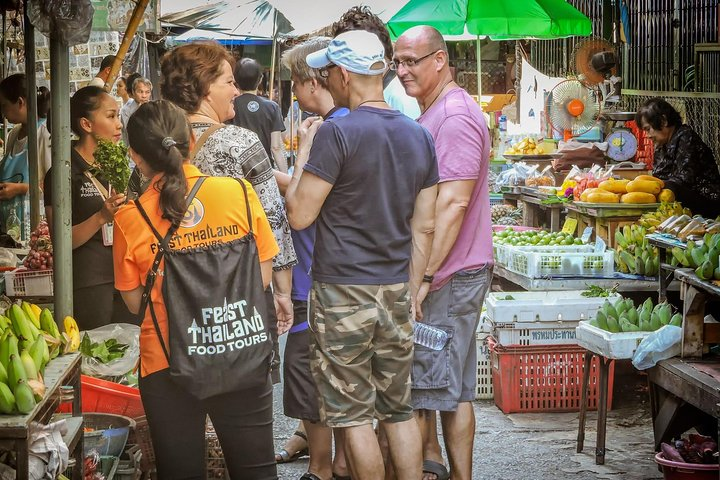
{"x": 544, "y": 378}
{"x": 102, "y": 396}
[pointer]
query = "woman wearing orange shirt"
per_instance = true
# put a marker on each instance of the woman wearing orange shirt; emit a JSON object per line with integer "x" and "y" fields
{"x": 160, "y": 141}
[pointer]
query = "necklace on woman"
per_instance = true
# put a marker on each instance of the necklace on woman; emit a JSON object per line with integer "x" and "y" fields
{"x": 369, "y": 101}
{"x": 438, "y": 95}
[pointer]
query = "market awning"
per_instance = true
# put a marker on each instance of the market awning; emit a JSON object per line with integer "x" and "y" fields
{"x": 221, "y": 37}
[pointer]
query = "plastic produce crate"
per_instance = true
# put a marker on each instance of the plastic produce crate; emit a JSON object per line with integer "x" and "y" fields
{"x": 484, "y": 388}
{"x": 496, "y": 199}
{"x": 103, "y": 396}
{"x": 542, "y": 264}
{"x": 621, "y": 345}
{"x": 22, "y": 282}
{"x": 544, "y": 378}
{"x": 536, "y": 333}
{"x": 504, "y": 253}
{"x": 543, "y": 306}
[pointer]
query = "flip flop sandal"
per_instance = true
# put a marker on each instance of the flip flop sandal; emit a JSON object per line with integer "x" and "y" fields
{"x": 335, "y": 476}
{"x": 286, "y": 457}
{"x": 309, "y": 476}
{"x": 437, "y": 469}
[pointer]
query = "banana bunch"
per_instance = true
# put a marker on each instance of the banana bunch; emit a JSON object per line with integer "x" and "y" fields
{"x": 633, "y": 253}
{"x": 624, "y": 317}
{"x": 651, "y": 220}
{"x": 704, "y": 258}
{"x": 29, "y": 339}
{"x": 526, "y": 146}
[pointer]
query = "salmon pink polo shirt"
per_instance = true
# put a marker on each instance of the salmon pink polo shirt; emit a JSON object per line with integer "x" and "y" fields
{"x": 462, "y": 145}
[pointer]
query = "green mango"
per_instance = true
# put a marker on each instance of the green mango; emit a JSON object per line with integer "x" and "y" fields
{"x": 655, "y": 321}
{"x": 633, "y": 316}
{"x": 698, "y": 257}
{"x": 676, "y": 320}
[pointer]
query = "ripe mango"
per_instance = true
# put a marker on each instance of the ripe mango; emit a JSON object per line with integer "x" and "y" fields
{"x": 647, "y": 186}
{"x": 614, "y": 186}
{"x": 638, "y": 197}
{"x": 603, "y": 196}
{"x": 650, "y": 178}
{"x": 667, "y": 196}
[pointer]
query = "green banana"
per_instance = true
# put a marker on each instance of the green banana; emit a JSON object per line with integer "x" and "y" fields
{"x": 601, "y": 320}
{"x": 36, "y": 352}
{"x": 24, "y": 397}
{"x": 633, "y": 316}
{"x": 31, "y": 370}
{"x": 655, "y": 321}
{"x": 665, "y": 314}
{"x": 626, "y": 326}
{"x": 620, "y": 239}
{"x": 48, "y": 324}
{"x": 712, "y": 255}
{"x": 609, "y": 309}
{"x": 613, "y": 325}
{"x": 16, "y": 371}
{"x": 594, "y": 323}
{"x": 681, "y": 256}
{"x": 640, "y": 265}
{"x": 3, "y": 374}
{"x": 698, "y": 257}
{"x": 21, "y": 325}
{"x": 7, "y": 399}
{"x": 629, "y": 260}
{"x": 29, "y": 314}
{"x": 4, "y": 322}
{"x": 7, "y": 348}
{"x": 620, "y": 307}
{"x": 676, "y": 320}
{"x": 649, "y": 267}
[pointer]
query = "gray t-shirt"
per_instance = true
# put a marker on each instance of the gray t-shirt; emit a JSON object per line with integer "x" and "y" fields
{"x": 377, "y": 161}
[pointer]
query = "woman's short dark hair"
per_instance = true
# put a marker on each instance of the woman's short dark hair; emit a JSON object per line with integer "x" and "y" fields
{"x": 248, "y": 73}
{"x": 657, "y": 111}
{"x": 129, "y": 82}
{"x": 189, "y": 70}
{"x": 159, "y": 132}
{"x": 82, "y": 105}
{"x": 362, "y": 18}
{"x": 14, "y": 87}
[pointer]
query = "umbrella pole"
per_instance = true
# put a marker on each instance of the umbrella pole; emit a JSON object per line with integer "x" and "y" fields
{"x": 273, "y": 53}
{"x": 479, "y": 70}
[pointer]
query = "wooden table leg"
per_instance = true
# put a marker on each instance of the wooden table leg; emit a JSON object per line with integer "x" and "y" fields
{"x": 554, "y": 219}
{"x": 693, "y": 321}
{"x": 587, "y": 358}
{"x": 602, "y": 411}
{"x": 22, "y": 448}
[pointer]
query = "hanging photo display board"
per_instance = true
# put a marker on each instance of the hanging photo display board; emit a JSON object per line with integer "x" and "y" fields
{"x": 114, "y": 16}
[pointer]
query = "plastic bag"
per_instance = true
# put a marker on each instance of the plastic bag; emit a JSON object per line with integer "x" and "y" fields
{"x": 661, "y": 344}
{"x": 7, "y": 258}
{"x": 514, "y": 175}
{"x": 70, "y": 21}
{"x": 540, "y": 179}
{"x": 123, "y": 333}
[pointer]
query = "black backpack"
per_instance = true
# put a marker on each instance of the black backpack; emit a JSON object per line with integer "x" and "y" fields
{"x": 219, "y": 336}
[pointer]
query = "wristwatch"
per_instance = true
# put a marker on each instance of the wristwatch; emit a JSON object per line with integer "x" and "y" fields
{"x": 428, "y": 278}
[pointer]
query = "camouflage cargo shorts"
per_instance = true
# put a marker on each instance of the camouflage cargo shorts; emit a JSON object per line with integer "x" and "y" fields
{"x": 361, "y": 352}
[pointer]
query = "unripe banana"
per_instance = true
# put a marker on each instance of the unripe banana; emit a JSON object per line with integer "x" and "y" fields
{"x": 4, "y": 322}
{"x": 21, "y": 325}
{"x": 36, "y": 310}
{"x": 47, "y": 323}
{"x": 37, "y": 352}
{"x": 7, "y": 348}
{"x": 24, "y": 397}
{"x": 16, "y": 372}
{"x": 7, "y": 399}
{"x": 31, "y": 370}
{"x": 3, "y": 374}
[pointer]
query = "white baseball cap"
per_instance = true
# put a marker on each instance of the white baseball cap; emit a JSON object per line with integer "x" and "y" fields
{"x": 356, "y": 51}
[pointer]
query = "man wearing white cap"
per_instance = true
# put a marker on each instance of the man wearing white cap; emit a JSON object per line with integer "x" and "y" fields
{"x": 370, "y": 181}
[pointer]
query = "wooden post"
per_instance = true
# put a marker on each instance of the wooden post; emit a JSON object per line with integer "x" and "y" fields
{"x": 132, "y": 27}
{"x": 274, "y": 54}
{"x": 693, "y": 321}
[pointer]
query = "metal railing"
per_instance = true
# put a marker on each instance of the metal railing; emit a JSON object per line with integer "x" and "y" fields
{"x": 699, "y": 110}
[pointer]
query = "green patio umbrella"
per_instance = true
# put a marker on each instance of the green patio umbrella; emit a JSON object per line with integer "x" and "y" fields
{"x": 497, "y": 19}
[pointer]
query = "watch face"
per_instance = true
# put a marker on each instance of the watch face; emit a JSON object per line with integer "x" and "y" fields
{"x": 622, "y": 145}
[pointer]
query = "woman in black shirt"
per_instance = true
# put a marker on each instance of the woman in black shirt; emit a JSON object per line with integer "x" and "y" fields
{"x": 93, "y": 116}
{"x": 682, "y": 160}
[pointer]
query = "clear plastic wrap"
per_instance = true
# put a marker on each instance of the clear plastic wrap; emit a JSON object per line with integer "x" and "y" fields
{"x": 123, "y": 333}
{"x": 70, "y": 21}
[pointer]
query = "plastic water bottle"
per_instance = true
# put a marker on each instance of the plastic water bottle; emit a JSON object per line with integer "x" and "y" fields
{"x": 430, "y": 337}
{"x": 502, "y": 123}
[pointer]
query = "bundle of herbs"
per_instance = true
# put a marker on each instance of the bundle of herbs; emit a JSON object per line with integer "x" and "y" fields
{"x": 103, "y": 352}
{"x": 112, "y": 164}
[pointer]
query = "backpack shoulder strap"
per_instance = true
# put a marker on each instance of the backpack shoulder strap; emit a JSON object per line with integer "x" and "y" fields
{"x": 162, "y": 247}
{"x": 203, "y": 138}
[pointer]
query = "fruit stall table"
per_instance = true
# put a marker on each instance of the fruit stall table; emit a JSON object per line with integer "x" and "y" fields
{"x": 606, "y": 218}
{"x": 534, "y": 208}
{"x": 15, "y": 429}
{"x": 685, "y": 390}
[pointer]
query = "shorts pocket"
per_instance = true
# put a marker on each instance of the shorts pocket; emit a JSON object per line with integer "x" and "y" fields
{"x": 468, "y": 288}
{"x": 431, "y": 368}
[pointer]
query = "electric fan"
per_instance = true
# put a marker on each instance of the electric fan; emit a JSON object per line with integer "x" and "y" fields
{"x": 595, "y": 64}
{"x": 572, "y": 108}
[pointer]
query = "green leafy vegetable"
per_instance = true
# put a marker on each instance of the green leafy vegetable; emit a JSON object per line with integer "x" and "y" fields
{"x": 103, "y": 352}
{"x": 111, "y": 162}
{"x": 595, "y": 291}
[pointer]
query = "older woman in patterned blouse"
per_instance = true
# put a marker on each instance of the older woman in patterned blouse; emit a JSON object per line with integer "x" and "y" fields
{"x": 198, "y": 77}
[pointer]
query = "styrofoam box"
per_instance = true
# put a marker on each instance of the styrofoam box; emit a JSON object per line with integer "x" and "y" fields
{"x": 536, "y": 333}
{"x": 610, "y": 345}
{"x": 484, "y": 388}
{"x": 541, "y": 264}
{"x": 503, "y": 253}
{"x": 543, "y": 306}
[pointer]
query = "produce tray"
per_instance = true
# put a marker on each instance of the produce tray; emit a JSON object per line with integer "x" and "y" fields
{"x": 620, "y": 206}
{"x": 610, "y": 345}
{"x": 484, "y": 388}
{"x": 570, "y": 264}
{"x": 549, "y": 306}
{"x": 503, "y": 253}
{"x": 22, "y": 282}
{"x": 544, "y": 156}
